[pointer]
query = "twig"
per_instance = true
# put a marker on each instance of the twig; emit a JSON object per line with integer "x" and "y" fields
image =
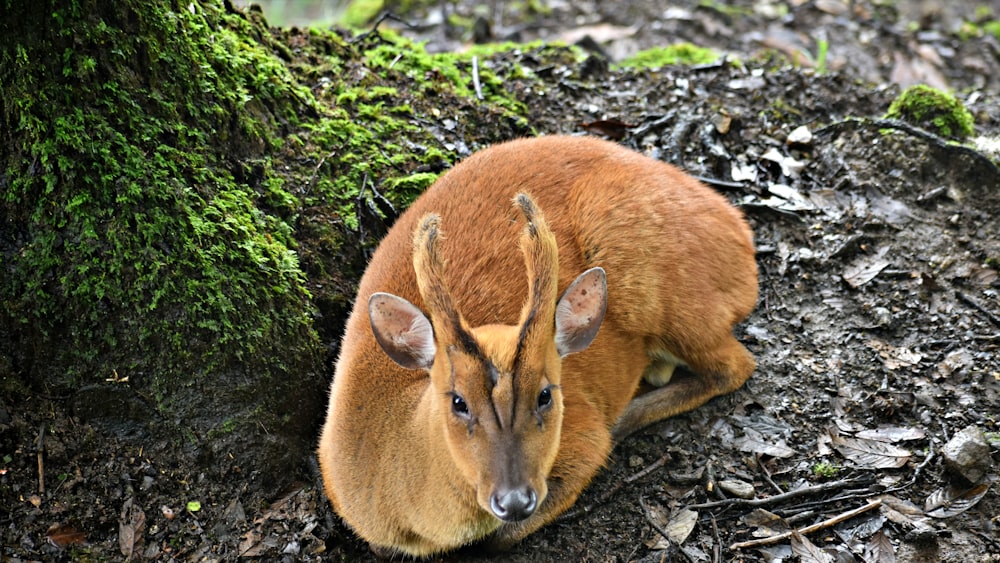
{"x": 717, "y": 544}
{"x": 382, "y": 17}
{"x": 475, "y": 78}
{"x": 851, "y": 494}
{"x": 710, "y": 483}
{"x": 648, "y": 469}
{"x": 610, "y": 491}
{"x": 809, "y": 529}
{"x": 803, "y": 491}
{"x": 312, "y": 178}
{"x": 715, "y": 182}
{"x": 969, "y": 301}
{"x": 40, "y": 453}
{"x": 767, "y": 476}
{"x": 916, "y": 472}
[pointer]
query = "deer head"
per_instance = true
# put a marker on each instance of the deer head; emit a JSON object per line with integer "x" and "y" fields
{"x": 497, "y": 394}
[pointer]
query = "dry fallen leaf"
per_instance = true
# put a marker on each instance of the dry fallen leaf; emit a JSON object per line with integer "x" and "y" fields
{"x": 681, "y": 525}
{"x": 893, "y": 434}
{"x": 766, "y": 524}
{"x": 787, "y": 198}
{"x": 743, "y": 172}
{"x": 852, "y": 531}
{"x": 870, "y": 454}
{"x": 955, "y": 360}
{"x": 610, "y": 128}
{"x": 601, "y": 33}
{"x": 130, "y": 529}
{"x": 65, "y": 535}
{"x": 790, "y": 167}
{"x": 678, "y": 526}
{"x": 951, "y": 501}
{"x": 865, "y": 268}
{"x": 659, "y": 515}
{"x": 250, "y": 545}
{"x": 807, "y": 550}
{"x": 754, "y": 442}
{"x": 879, "y": 549}
{"x": 894, "y": 357}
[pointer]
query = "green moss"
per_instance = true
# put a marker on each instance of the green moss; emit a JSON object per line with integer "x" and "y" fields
{"x": 993, "y": 28}
{"x": 432, "y": 72}
{"x": 679, "y": 53}
{"x": 825, "y": 470}
{"x": 172, "y": 262}
{"x": 934, "y": 110}
{"x": 369, "y": 140}
{"x": 414, "y": 183}
{"x": 360, "y": 12}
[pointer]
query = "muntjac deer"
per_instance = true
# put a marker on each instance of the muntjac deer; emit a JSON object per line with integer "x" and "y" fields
{"x": 474, "y": 397}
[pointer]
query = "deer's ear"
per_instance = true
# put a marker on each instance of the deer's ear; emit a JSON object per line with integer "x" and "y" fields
{"x": 580, "y": 311}
{"x": 402, "y": 330}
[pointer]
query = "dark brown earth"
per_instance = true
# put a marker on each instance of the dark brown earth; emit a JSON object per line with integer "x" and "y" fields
{"x": 878, "y": 246}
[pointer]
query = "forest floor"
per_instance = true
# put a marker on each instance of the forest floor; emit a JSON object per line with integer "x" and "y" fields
{"x": 876, "y": 335}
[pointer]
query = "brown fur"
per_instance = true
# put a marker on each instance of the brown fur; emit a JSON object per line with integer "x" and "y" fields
{"x": 411, "y": 476}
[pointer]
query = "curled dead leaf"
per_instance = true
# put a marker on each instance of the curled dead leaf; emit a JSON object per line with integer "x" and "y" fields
{"x": 64, "y": 535}
{"x": 952, "y": 501}
{"x": 610, "y": 128}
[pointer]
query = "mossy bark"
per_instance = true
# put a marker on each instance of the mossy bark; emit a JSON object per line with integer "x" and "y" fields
{"x": 144, "y": 268}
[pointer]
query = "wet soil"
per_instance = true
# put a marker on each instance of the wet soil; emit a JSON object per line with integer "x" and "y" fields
{"x": 876, "y": 333}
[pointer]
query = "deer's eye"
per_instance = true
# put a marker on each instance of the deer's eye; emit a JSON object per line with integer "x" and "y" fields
{"x": 458, "y": 405}
{"x": 545, "y": 399}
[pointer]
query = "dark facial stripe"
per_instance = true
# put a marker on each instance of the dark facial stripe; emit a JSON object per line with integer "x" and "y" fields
{"x": 466, "y": 342}
{"x": 522, "y": 337}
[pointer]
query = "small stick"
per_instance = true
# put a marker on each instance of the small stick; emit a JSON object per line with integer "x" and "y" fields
{"x": 40, "y": 451}
{"x": 916, "y": 472}
{"x": 717, "y": 543}
{"x": 615, "y": 488}
{"x": 648, "y": 469}
{"x": 316, "y": 170}
{"x": 475, "y": 78}
{"x": 382, "y": 17}
{"x": 715, "y": 182}
{"x": 710, "y": 484}
{"x": 767, "y": 477}
{"x": 809, "y": 529}
{"x": 821, "y": 488}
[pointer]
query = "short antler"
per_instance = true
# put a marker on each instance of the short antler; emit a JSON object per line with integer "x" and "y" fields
{"x": 449, "y": 326}
{"x": 541, "y": 256}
